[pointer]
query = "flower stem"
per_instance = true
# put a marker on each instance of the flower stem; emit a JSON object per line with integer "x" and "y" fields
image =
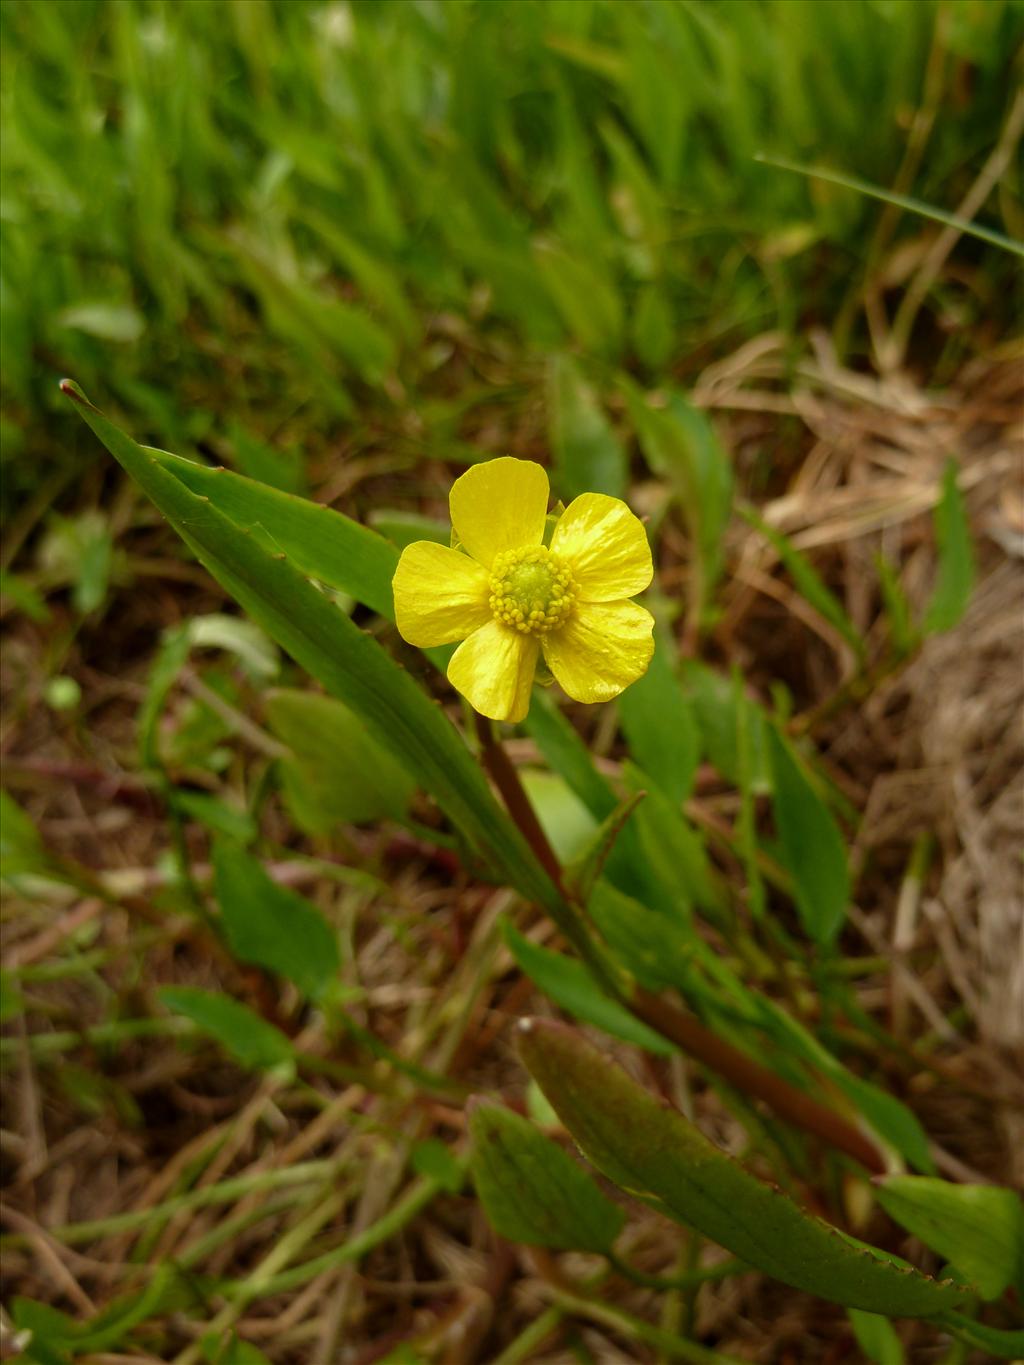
{"x": 504, "y": 776}
{"x": 679, "y": 1026}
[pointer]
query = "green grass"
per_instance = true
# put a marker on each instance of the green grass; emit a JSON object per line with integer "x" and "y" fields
{"x": 252, "y": 222}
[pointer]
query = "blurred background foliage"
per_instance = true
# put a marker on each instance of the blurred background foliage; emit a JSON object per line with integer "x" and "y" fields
{"x": 245, "y": 222}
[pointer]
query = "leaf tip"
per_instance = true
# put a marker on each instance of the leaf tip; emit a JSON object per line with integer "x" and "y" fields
{"x": 70, "y": 389}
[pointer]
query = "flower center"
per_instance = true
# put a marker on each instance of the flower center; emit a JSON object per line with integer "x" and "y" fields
{"x": 532, "y": 590}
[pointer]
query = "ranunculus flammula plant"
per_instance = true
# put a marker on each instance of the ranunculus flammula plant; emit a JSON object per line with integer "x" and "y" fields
{"x": 507, "y": 596}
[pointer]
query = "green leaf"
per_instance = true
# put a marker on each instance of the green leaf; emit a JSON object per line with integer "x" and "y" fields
{"x": 660, "y": 724}
{"x": 52, "y": 1332}
{"x": 171, "y": 658}
{"x": 271, "y": 926}
{"x": 675, "y": 850}
{"x": 250, "y": 645}
{"x": 403, "y": 528}
{"x": 568, "y": 824}
{"x": 565, "y": 751}
{"x": 652, "y": 328}
{"x": 338, "y": 774}
{"x": 215, "y": 814}
{"x": 876, "y": 1337}
{"x": 107, "y": 321}
{"x": 532, "y": 1191}
{"x": 977, "y": 1228}
{"x": 235, "y": 1352}
{"x": 649, "y": 945}
{"x": 319, "y": 541}
{"x": 570, "y": 985}
{"x": 349, "y": 663}
{"x": 656, "y": 1154}
{"x": 589, "y": 305}
{"x": 12, "y": 1002}
{"x": 583, "y": 871}
{"x": 679, "y": 443}
{"x": 888, "y": 1116}
{"x": 24, "y": 854}
{"x": 1000, "y": 1345}
{"x": 903, "y": 201}
{"x": 432, "y": 1158}
{"x": 110, "y": 1327}
{"x": 257, "y": 460}
{"x": 897, "y": 607}
{"x": 808, "y": 582}
{"x": 21, "y": 846}
{"x": 955, "y": 579}
{"x": 812, "y": 847}
{"x": 239, "y": 1030}
{"x": 588, "y": 455}
{"x": 714, "y": 701}
{"x": 24, "y": 597}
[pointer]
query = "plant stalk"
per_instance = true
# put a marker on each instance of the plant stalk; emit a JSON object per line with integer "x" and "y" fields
{"x": 678, "y": 1026}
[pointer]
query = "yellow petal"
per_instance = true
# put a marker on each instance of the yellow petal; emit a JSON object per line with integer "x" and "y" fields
{"x": 493, "y": 670}
{"x": 440, "y": 595}
{"x": 500, "y": 505}
{"x": 605, "y": 546}
{"x": 601, "y": 649}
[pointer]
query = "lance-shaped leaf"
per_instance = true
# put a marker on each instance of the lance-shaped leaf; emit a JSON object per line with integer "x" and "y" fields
{"x": 319, "y": 541}
{"x": 271, "y": 925}
{"x": 661, "y": 725}
{"x": 808, "y": 582}
{"x": 336, "y": 773}
{"x": 532, "y": 1191}
{"x": 588, "y": 454}
{"x": 583, "y": 872}
{"x": 239, "y": 1030}
{"x": 1000, "y": 1344}
{"x": 569, "y": 984}
{"x": 651, "y": 1150}
{"x": 348, "y": 662}
{"x": 812, "y": 847}
{"x": 978, "y": 1228}
{"x": 955, "y": 579}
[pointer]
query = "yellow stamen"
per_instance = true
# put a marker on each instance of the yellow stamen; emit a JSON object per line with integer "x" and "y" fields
{"x": 532, "y": 590}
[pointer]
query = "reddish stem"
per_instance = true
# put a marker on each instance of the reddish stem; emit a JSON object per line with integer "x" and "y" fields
{"x": 672, "y": 1023}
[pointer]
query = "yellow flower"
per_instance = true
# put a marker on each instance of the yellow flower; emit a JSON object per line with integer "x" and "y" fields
{"x": 510, "y": 596}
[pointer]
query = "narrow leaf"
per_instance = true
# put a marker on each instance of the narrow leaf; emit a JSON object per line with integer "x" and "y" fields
{"x": 583, "y": 873}
{"x": 319, "y": 541}
{"x": 569, "y": 984}
{"x": 812, "y": 847}
{"x": 272, "y": 926}
{"x": 897, "y": 607}
{"x": 679, "y": 443}
{"x": 876, "y": 1337}
{"x": 588, "y": 455}
{"x": 903, "y": 201}
{"x": 532, "y": 1191}
{"x": 1001, "y": 1345}
{"x": 338, "y": 774}
{"x": 977, "y": 1228}
{"x": 956, "y": 559}
{"x": 651, "y": 1150}
{"x": 809, "y": 582}
{"x": 239, "y": 1030}
{"x": 661, "y": 726}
